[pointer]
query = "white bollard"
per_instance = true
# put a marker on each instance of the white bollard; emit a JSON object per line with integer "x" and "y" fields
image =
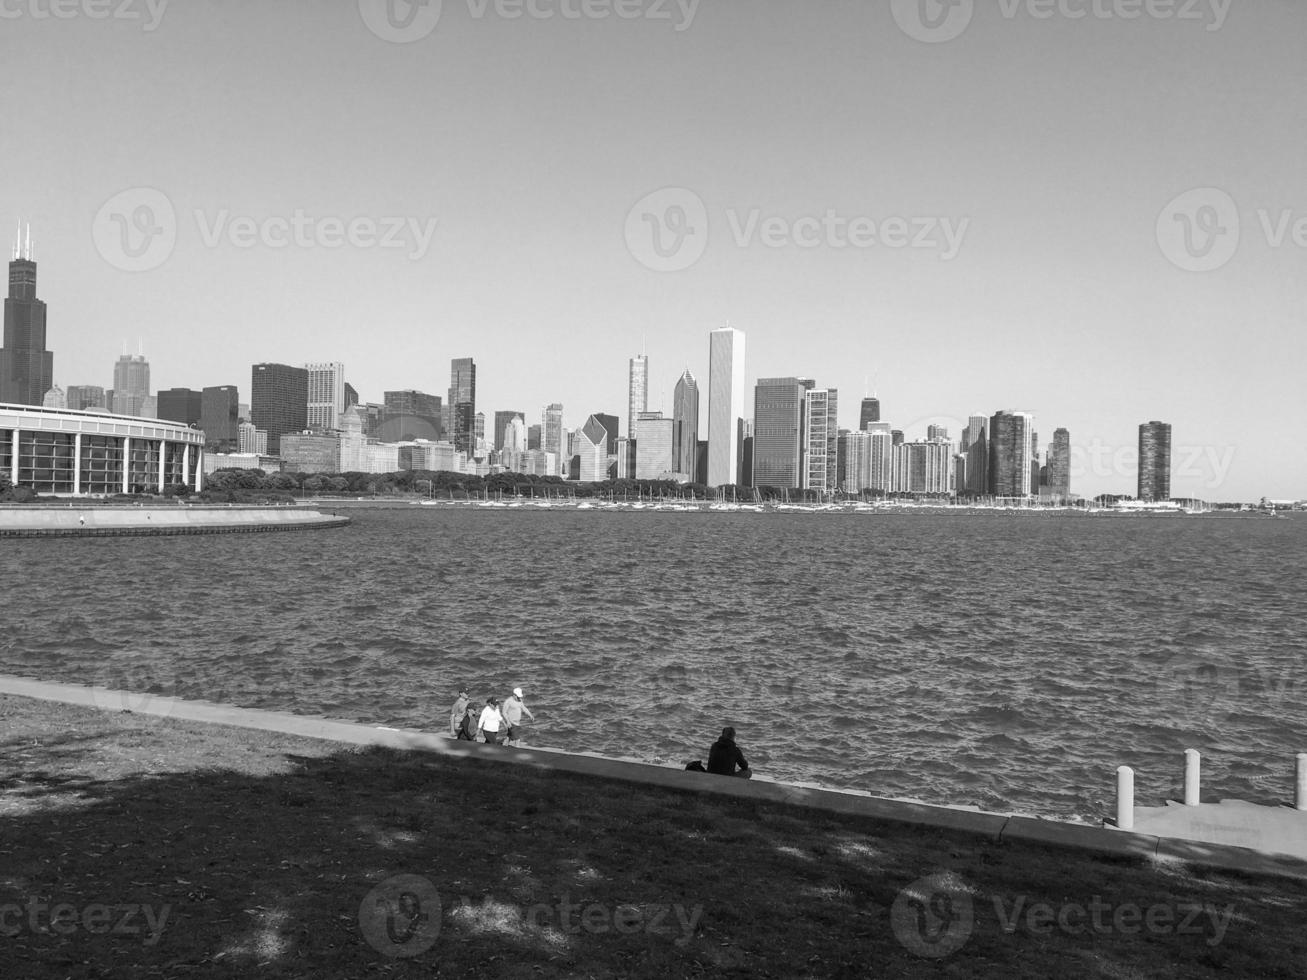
{"x": 1125, "y": 798}
{"x": 1300, "y": 796}
{"x": 1192, "y": 769}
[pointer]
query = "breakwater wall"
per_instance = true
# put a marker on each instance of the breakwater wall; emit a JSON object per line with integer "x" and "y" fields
{"x": 86, "y": 521}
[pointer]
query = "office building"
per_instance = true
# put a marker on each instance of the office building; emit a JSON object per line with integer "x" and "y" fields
{"x": 820, "y": 439}
{"x": 654, "y": 446}
{"x": 778, "y": 430}
{"x": 685, "y": 427}
{"x": 591, "y": 445}
{"x": 502, "y": 419}
{"x": 1011, "y": 447}
{"x": 26, "y": 367}
{"x": 534, "y": 438}
{"x": 86, "y": 396}
{"x": 1154, "y": 461}
{"x": 184, "y": 405}
{"x": 409, "y": 414}
{"x": 637, "y": 391}
{"x": 551, "y": 431}
{"x": 326, "y": 395}
{"x": 463, "y": 404}
{"x": 868, "y": 412}
{"x": 250, "y": 440}
{"x": 351, "y": 396}
{"x": 975, "y": 448}
{"x": 279, "y": 399}
{"x": 131, "y": 385}
{"x": 310, "y": 452}
{"x": 726, "y": 407}
{"x": 55, "y": 398}
{"x": 219, "y": 416}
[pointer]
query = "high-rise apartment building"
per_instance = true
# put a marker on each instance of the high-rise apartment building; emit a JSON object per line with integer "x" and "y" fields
{"x": 219, "y": 416}
{"x": 1155, "y": 461}
{"x": 326, "y": 397}
{"x": 251, "y": 440}
{"x": 726, "y": 407}
{"x": 880, "y": 457}
{"x": 131, "y": 385}
{"x": 923, "y": 467}
{"x": 463, "y": 403}
{"x": 279, "y": 401}
{"x": 685, "y": 427}
{"x": 820, "y": 439}
{"x": 869, "y": 412}
{"x": 778, "y": 430}
{"x": 1011, "y": 447}
{"x": 637, "y": 391}
{"x": 26, "y": 367}
{"x": 654, "y": 446}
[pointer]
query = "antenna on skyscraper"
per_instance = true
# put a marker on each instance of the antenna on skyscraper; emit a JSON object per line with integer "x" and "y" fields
{"x": 27, "y": 252}
{"x": 18, "y": 240}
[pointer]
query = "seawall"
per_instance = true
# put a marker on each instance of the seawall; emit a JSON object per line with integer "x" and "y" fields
{"x": 89, "y": 521}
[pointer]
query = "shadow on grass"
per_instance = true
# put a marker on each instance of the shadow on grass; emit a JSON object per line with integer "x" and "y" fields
{"x": 385, "y": 863}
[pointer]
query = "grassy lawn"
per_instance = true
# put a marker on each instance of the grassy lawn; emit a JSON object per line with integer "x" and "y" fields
{"x": 143, "y": 847}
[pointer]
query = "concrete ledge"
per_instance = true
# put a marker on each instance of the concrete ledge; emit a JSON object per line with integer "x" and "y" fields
{"x": 77, "y": 521}
{"x": 996, "y": 827}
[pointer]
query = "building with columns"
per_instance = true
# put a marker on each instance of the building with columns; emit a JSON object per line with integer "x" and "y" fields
{"x": 93, "y": 454}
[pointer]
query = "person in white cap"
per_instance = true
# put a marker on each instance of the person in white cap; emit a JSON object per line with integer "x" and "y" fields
{"x": 514, "y": 708}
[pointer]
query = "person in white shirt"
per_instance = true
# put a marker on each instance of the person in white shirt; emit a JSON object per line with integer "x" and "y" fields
{"x": 514, "y": 708}
{"x": 492, "y": 720}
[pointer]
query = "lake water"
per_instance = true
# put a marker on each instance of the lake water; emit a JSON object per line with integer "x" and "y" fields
{"x": 1008, "y": 661}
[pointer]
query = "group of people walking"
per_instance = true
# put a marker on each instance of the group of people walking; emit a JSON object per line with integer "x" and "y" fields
{"x": 494, "y": 724}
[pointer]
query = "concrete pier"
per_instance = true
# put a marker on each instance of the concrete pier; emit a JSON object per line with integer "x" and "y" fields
{"x": 79, "y": 520}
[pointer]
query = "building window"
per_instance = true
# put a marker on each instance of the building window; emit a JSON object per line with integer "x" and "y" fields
{"x": 102, "y": 464}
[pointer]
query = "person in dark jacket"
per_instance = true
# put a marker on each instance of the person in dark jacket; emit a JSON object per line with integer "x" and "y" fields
{"x": 467, "y": 725}
{"x": 725, "y": 756}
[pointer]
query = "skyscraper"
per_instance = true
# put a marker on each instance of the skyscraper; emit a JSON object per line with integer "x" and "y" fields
{"x": 880, "y": 457}
{"x": 502, "y": 419}
{"x": 86, "y": 396}
{"x": 326, "y": 398}
{"x": 592, "y": 451}
{"x": 279, "y": 401}
{"x": 1011, "y": 447}
{"x": 685, "y": 426}
{"x": 726, "y": 406}
{"x": 654, "y": 446}
{"x": 820, "y": 439}
{"x": 1059, "y": 463}
{"x": 131, "y": 384}
{"x": 219, "y": 416}
{"x": 637, "y": 391}
{"x": 551, "y": 431}
{"x": 463, "y": 403}
{"x": 975, "y": 447}
{"x": 411, "y": 414}
{"x": 778, "y": 429}
{"x": 26, "y": 367}
{"x": 1155, "y": 461}
{"x": 870, "y": 412}
{"x": 610, "y": 423}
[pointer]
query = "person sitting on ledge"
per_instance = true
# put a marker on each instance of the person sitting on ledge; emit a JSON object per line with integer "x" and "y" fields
{"x": 725, "y": 756}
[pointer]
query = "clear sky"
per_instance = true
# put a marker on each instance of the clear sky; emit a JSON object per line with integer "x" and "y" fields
{"x": 1097, "y": 209}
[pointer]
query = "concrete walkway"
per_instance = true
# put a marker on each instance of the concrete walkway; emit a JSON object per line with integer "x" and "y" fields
{"x": 994, "y": 826}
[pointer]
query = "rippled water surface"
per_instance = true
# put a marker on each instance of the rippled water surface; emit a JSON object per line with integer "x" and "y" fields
{"x": 1009, "y": 661}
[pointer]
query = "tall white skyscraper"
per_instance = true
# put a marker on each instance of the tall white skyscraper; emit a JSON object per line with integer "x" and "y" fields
{"x": 725, "y": 404}
{"x": 326, "y": 394}
{"x": 637, "y": 392}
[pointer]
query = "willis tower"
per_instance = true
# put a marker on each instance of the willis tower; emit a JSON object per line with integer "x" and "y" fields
{"x": 26, "y": 367}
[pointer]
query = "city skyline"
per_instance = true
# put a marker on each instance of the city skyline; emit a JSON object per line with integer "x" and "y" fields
{"x": 1060, "y": 297}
